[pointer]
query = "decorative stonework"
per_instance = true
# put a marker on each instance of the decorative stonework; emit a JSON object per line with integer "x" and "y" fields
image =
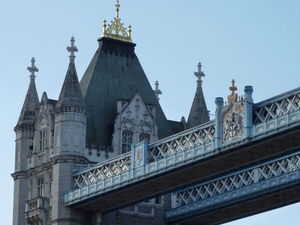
{"x": 139, "y": 155}
{"x": 135, "y": 123}
{"x": 116, "y": 30}
{"x": 43, "y": 121}
{"x": 234, "y": 96}
{"x": 233, "y": 126}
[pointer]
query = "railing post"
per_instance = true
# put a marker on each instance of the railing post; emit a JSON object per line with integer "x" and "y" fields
{"x": 218, "y": 132}
{"x": 248, "y": 111}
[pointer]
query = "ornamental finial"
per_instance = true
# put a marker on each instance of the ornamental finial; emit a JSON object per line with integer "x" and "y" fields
{"x": 117, "y": 9}
{"x": 33, "y": 68}
{"x": 200, "y": 73}
{"x": 115, "y": 30}
{"x": 72, "y": 49}
{"x": 157, "y": 91}
{"x": 234, "y": 96}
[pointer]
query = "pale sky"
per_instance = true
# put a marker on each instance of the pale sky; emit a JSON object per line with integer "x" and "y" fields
{"x": 254, "y": 42}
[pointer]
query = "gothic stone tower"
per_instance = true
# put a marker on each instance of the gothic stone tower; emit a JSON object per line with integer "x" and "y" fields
{"x": 50, "y": 141}
{"x": 111, "y": 108}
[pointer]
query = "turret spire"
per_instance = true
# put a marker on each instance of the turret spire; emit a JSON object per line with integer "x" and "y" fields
{"x": 31, "y": 102}
{"x": 199, "y": 113}
{"x": 70, "y": 95}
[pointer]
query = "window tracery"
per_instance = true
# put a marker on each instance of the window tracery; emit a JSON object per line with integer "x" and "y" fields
{"x": 127, "y": 140}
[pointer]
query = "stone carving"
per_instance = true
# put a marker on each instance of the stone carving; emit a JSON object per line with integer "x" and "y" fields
{"x": 128, "y": 123}
{"x": 43, "y": 120}
{"x": 233, "y": 123}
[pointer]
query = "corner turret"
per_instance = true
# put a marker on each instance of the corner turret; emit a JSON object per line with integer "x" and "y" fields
{"x": 24, "y": 145}
{"x": 70, "y": 113}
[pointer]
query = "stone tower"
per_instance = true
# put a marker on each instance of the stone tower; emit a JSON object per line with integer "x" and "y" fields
{"x": 111, "y": 108}
{"x": 25, "y": 133}
{"x": 69, "y": 142}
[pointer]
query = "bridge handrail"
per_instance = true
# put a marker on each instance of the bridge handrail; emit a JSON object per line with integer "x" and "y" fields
{"x": 187, "y": 139}
{"x": 182, "y": 133}
{"x": 276, "y": 106}
{"x": 277, "y": 98}
{"x": 102, "y": 163}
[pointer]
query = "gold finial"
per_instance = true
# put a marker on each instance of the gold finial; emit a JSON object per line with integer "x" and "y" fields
{"x": 116, "y": 30}
{"x": 117, "y": 9}
{"x": 234, "y": 96}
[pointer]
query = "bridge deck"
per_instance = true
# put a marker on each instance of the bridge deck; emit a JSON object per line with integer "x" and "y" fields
{"x": 188, "y": 172}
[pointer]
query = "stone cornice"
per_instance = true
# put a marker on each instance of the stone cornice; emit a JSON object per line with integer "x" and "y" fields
{"x": 48, "y": 166}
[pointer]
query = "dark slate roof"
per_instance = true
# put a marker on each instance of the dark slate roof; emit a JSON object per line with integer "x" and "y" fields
{"x": 70, "y": 95}
{"x": 115, "y": 73}
{"x": 176, "y": 126}
{"x": 30, "y": 106}
{"x": 199, "y": 113}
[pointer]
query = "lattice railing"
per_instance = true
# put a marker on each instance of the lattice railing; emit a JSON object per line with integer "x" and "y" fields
{"x": 277, "y": 106}
{"x": 238, "y": 180}
{"x": 103, "y": 171}
{"x": 177, "y": 143}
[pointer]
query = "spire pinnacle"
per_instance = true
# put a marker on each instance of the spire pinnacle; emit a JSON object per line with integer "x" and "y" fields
{"x": 199, "y": 74}
{"x": 116, "y": 30}
{"x": 199, "y": 113}
{"x": 117, "y": 9}
{"x": 72, "y": 49}
{"x": 33, "y": 68}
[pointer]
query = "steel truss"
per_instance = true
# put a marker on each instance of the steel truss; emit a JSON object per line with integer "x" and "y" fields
{"x": 277, "y": 106}
{"x": 183, "y": 141}
{"x": 237, "y": 181}
{"x": 103, "y": 171}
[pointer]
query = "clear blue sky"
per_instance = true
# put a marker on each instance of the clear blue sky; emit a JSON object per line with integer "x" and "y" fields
{"x": 254, "y": 42}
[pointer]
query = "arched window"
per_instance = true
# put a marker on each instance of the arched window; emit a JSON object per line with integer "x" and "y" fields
{"x": 144, "y": 137}
{"x": 127, "y": 139}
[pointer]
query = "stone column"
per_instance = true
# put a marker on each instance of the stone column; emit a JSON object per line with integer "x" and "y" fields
{"x": 219, "y": 126}
{"x": 248, "y": 111}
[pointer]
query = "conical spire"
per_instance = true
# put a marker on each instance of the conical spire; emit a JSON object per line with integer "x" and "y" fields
{"x": 31, "y": 102}
{"x": 70, "y": 95}
{"x": 198, "y": 113}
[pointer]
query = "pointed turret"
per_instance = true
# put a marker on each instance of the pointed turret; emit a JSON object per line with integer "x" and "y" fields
{"x": 70, "y": 95}
{"x": 198, "y": 113}
{"x": 31, "y": 103}
{"x": 115, "y": 73}
{"x": 70, "y": 114}
{"x": 24, "y": 145}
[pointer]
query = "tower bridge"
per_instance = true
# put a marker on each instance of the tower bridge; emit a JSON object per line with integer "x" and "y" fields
{"x": 207, "y": 157}
{"x": 104, "y": 152}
